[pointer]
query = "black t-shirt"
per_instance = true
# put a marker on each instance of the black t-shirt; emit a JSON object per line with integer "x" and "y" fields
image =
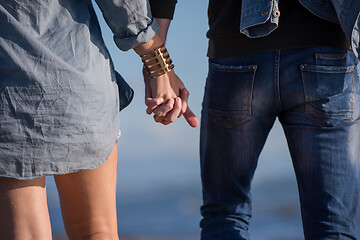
{"x": 298, "y": 28}
{"x": 163, "y": 8}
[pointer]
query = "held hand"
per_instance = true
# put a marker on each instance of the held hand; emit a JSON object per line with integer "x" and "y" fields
{"x": 150, "y": 102}
{"x": 186, "y": 111}
{"x": 167, "y": 97}
{"x": 163, "y": 92}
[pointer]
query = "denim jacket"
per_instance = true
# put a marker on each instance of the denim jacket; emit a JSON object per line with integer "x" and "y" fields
{"x": 259, "y": 18}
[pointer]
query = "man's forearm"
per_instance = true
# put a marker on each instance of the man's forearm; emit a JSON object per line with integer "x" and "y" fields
{"x": 164, "y": 26}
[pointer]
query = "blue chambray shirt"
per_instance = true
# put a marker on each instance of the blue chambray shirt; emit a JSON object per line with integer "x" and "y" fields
{"x": 59, "y": 97}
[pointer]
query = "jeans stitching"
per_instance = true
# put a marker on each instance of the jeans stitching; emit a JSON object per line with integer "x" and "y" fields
{"x": 213, "y": 112}
{"x": 352, "y": 98}
{"x": 325, "y": 56}
{"x": 229, "y": 68}
{"x": 322, "y": 69}
{"x": 252, "y": 91}
{"x": 310, "y": 113}
{"x": 277, "y": 80}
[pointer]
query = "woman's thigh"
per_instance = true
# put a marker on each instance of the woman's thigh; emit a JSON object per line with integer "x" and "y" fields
{"x": 23, "y": 209}
{"x": 88, "y": 201}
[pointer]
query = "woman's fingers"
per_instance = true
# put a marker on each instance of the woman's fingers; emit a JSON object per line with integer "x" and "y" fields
{"x": 153, "y": 103}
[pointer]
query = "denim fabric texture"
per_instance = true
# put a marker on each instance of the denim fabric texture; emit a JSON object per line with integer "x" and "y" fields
{"x": 315, "y": 94}
{"x": 59, "y": 93}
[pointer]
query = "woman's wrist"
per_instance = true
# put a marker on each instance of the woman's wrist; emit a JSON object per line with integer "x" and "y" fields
{"x": 155, "y": 57}
{"x": 150, "y": 46}
{"x": 157, "y": 62}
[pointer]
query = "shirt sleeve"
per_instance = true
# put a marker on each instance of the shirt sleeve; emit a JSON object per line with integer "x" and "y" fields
{"x": 163, "y": 8}
{"x": 131, "y": 21}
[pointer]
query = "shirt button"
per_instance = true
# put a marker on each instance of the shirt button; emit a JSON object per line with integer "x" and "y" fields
{"x": 276, "y": 13}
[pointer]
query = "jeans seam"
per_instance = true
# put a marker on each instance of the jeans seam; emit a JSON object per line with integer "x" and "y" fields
{"x": 352, "y": 98}
{"x": 277, "y": 80}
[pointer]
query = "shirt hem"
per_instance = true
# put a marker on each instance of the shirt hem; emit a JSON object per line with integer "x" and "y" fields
{"x": 54, "y": 173}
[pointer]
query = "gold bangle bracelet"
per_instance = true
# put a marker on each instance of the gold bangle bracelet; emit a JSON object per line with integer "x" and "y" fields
{"x": 157, "y": 62}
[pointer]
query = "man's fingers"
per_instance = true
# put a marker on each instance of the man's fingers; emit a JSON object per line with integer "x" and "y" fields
{"x": 184, "y": 98}
{"x": 186, "y": 111}
{"x": 161, "y": 119}
{"x": 152, "y": 103}
{"x": 174, "y": 113}
{"x": 191, "y": 118}
{"x": 164, "y": 108}
{"x": 158, "y": 119}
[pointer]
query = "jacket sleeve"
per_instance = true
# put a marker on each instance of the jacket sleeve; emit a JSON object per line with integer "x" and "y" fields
{"x": 257, "y": 18}
{"x": 163, "y": 8}
{"x": 131, "y": 21}
{"x": 355, "y": 36}
{"x": 348, "y": 13}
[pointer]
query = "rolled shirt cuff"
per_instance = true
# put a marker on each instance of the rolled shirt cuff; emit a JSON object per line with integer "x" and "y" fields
{"x": 143, "y": 37}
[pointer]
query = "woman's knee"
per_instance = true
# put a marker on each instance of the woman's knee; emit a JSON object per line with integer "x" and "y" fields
{"x": 92, "y": 231}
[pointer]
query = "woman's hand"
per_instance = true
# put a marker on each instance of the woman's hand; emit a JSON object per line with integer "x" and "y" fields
{"x": 167, "y": 97}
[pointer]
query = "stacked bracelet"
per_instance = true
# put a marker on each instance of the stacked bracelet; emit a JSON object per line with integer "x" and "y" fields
{"x": 157, "y": 62}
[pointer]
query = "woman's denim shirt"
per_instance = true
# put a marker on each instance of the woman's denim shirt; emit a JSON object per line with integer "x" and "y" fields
{"x": 59, "y": 97}
{"x": 259, "y": 18}
{"x": 34, "y": 25}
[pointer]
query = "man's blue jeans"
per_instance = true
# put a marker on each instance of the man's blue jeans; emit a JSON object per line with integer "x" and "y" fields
{"x": 315, "y": 93}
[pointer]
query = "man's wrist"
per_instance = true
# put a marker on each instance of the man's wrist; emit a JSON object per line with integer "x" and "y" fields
{"x": 164, "y": 27}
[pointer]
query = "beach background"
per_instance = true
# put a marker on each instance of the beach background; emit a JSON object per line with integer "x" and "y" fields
{"x": 159, "y": 189}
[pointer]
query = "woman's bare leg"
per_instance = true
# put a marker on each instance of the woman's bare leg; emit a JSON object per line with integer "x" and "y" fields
{"x": 88, "y": 201}
{"x": 23, "y": 210}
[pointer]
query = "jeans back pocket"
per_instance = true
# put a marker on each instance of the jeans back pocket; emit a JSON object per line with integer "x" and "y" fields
{"x": 228, "y": 94}
{"x": 331, "y": 59}
{"x": 329, "y": 94}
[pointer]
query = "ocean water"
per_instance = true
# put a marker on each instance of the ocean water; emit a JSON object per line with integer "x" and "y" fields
{"x": 159, "y": 195}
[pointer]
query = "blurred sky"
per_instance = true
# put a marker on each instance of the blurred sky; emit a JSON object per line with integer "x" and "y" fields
{"x": 187, "y": 45}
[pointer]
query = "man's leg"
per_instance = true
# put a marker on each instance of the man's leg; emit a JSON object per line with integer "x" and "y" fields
{"x": 323, "y": 135}
{"x": 238, "y": 112}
